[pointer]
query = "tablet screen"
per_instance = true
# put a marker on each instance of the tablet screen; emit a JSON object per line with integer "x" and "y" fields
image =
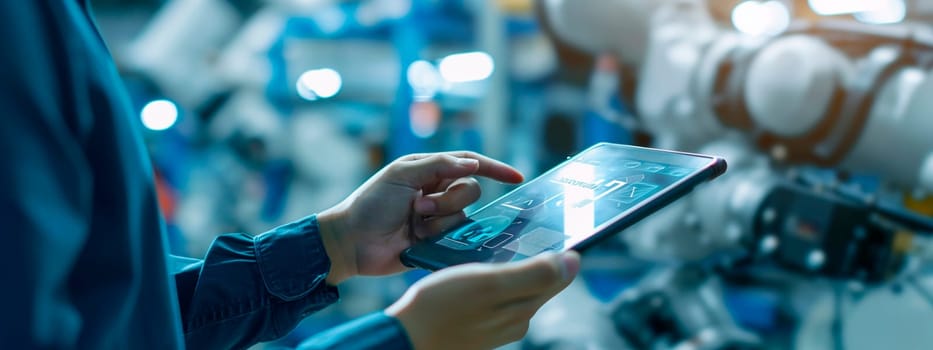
{"x": 568, "y": 204}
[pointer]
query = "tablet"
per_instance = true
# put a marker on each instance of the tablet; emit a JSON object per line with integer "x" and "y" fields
{"x": 591, "y": 196}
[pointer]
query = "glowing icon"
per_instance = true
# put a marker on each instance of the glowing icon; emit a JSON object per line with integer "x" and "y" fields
{"x": 474, "y": 234}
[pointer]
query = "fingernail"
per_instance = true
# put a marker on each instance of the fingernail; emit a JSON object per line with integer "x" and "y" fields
{"x": 467, "y": 162}
{"x": 425, "y": 206}
{"x": 570, "y": 265}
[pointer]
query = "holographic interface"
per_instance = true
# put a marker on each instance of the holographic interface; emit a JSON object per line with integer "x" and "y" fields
{"x": 561, "y": 208}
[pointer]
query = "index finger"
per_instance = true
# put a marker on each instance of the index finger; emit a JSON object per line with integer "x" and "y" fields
{"x": 491, "y": 168}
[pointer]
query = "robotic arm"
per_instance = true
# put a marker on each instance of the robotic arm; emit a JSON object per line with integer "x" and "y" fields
{"x": 851, "y": 97}
{"x": 803, "y": 97}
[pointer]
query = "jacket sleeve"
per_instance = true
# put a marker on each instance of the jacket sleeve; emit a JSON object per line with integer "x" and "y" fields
{"x": 374, "y": 331}
{"x": 251, "y": 289}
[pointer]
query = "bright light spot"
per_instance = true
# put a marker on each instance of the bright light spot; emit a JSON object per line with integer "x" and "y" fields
{"x": 424, "y": 79}
{"x": 465, "y": 67}
{"x": 159, "y": 115}
{"x": 842, "y": 7}
{"x": 913, "y": 77}
{"x": 579, "y": 202}
{"x": 893, "y": 11}
{"x": 319, "y": 83}
{"x": 761, "y": 17}
{"x": 424, "y": 118}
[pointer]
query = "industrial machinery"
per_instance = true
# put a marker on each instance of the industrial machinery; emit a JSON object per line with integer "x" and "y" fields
{"x": 826, "y": 127}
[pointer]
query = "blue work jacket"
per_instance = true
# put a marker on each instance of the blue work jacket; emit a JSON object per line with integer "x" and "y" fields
{"x": 84, "y": 262}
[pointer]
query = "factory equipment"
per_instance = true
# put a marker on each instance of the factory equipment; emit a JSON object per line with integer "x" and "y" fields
{"x": 825, "y": 124}
{"x": 826, "y": 127}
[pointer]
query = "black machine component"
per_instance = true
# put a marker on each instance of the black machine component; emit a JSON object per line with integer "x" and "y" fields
{"x": 834, "y": 232}
{"x": 646, "y": 319}
{"x": 678, "y": 308}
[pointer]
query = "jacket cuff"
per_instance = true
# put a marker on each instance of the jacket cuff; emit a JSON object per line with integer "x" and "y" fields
{"x": 290, "y": 261}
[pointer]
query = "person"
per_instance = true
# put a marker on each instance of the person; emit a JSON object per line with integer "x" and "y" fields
{"x": 84, "y": 264}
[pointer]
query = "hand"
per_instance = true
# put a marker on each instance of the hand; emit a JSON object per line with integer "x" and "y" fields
{"x": 481, "y": 306}
{"x": 414, "y": 197}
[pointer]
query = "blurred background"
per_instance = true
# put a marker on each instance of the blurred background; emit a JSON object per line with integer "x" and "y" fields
{"x": 259, "y": 112}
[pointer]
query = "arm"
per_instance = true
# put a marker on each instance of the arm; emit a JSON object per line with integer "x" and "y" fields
{"x": 373, "y": 331}
{"x": 473, "y": 306}
{"x": 414, "y": 197}
{"x": 252, "y": 289}
{"x": 417, "y": 196}
{"x": 260, "y": 288}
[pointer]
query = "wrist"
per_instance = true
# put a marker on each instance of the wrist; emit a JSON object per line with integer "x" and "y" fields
{"x": 401, "y": 311}
{"x": 339, "y": 249}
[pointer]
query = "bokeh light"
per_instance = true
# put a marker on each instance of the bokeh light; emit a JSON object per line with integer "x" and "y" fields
{"x": 466, "y": 67}
{"x": 761, "y": 18}
{"x": 424, "y": 79}
{"x": 159, "y": 115}
{"x": 319, "y": 83}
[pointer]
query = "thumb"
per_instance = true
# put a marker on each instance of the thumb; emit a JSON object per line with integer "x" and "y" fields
{"x": 428, "y": 170}
{"x": 539, "y": 274}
